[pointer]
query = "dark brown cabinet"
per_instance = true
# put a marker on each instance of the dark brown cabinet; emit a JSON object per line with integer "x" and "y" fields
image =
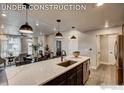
{"x": 75, "y": 76}
{"x": 60, "y": 80}
{"x": 80, "y": 74}
{"x": 71, "y": 80}
{"x": 79, "y": 77}
{"x": 71, "y": 77}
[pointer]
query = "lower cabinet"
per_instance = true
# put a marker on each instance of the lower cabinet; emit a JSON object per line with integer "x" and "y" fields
{"x": 75, "y": 76}
{"x": 62, "y": 82}
{"x": 79, "y": 77}
{"x": 71, "y": 76}
{"x": 71, "y": 80}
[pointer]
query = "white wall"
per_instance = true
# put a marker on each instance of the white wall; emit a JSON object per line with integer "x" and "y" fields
{"x": 85, "y": 42}
{"x": 91, "y": 41}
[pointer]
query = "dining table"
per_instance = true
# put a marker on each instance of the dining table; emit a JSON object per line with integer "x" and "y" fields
{"x": 11, "y": 59}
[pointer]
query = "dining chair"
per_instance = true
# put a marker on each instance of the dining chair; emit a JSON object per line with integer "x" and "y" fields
{"x": 3, "y": 61}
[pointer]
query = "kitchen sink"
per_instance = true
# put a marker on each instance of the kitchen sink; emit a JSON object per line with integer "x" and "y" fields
{"x": 67, "y": 63}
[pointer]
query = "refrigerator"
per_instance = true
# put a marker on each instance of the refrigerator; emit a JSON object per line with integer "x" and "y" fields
{"x": 119, "y": 56}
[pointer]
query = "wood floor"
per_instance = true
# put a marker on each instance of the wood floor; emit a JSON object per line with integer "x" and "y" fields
{"x": 103, "y": 75}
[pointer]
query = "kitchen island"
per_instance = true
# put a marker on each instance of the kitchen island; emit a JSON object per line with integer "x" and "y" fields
{"x": 45, "y": 72}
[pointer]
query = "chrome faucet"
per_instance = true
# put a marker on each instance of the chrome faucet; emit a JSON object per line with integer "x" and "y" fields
{"x": 63, "y": 53}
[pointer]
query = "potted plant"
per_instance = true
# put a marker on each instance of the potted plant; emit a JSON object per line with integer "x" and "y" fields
{"x": 47, "y": 48}
{"x": 36, "y": 48}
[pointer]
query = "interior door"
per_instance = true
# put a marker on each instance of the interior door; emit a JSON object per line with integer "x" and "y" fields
{"x": 98, "y": 50}
{"x": 111, "y": 43}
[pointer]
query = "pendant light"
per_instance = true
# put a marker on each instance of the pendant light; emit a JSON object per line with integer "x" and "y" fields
{"x": 73, "y": 37}
{"x": 58, "y": 34}
{"x": 26, "y": 28}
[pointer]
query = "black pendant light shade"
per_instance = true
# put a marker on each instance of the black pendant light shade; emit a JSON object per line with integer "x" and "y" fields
{"x": 58, "y": 34}
{"x": 73, "y": 37}
{"x": 58, "y": 20}
{"x": 26, "y": 28}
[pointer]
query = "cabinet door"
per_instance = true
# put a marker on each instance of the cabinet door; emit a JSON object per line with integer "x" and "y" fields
{"x": 80, "y": 77}
{"x": 60, "y": 80}
{"x": 62, "y": 83}
{"x": 84, "y": 72}
{"x": 71, "y": 80}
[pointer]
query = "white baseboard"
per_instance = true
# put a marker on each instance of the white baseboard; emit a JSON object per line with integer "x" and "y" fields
{"x": 95, "y": 67}
{"x": 106, "y": 63}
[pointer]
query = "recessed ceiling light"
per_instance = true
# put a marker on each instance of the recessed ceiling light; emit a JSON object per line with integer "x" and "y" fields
{"x": 2, "y": 26}
{"x": 106, "y": 24}
{"x": 4, "y": 15}
{"x": 99, "y": 4}
{"x": 54, "y": 29}
{"x": 41, "y": 33}
{"x": 37, "y": 24}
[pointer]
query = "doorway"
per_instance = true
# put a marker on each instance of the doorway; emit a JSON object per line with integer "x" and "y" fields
{"x": 58, "y": 48}
{"x": 105, "y": 49}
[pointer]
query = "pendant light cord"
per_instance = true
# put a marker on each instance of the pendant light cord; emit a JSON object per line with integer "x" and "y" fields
{"x": 26, "y": 15}
{"x": 58, "y": 27}
{"x": 58, "y": 34}
{"x": 26, "y": 11}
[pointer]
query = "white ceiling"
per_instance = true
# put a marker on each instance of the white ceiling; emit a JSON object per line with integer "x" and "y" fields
{"x": 91, "y": 19}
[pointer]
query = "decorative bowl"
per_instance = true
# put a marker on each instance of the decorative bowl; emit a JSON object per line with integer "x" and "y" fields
{"x": 76, "y": 53}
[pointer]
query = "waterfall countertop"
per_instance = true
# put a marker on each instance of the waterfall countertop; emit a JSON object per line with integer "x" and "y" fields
{"x": 40, "y": 72}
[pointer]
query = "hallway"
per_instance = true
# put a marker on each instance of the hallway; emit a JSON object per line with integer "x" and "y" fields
{"x": 103, "y": 75}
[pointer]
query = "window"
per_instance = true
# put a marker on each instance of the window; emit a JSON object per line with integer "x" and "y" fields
{"x": 29, "y": 41}
{"x": 13, "y": 46}
{"x": 58, "y": 48}
{"x": 9, "y": 46}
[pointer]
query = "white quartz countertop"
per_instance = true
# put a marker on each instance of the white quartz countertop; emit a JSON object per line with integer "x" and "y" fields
{"x": 40, "y": 72}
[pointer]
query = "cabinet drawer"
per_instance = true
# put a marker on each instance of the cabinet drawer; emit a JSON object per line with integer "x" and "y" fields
{"x": 80, "y": 77}
{"x": 71, "y": 80}
{"x": 58, "y": 80}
